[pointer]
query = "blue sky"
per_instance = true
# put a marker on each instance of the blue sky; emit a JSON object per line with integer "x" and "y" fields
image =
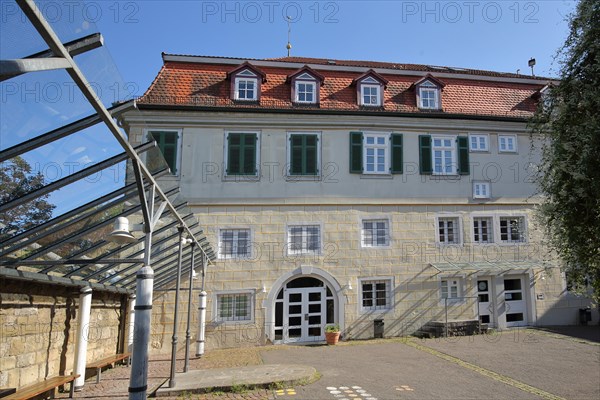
{"x": 493, "y": 35}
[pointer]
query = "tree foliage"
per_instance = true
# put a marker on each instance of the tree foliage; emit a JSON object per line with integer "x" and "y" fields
{"x": 569, "y": 176}
{"x": 16, "y": 180}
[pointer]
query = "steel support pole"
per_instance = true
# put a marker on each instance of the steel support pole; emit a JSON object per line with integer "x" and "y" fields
{"x": 138, "y": 381}
{"x": 83, "y": 330}
{"x": 202, "y": 314}
{"x": 188, "y": 336}
{"x": 176, "y": 316}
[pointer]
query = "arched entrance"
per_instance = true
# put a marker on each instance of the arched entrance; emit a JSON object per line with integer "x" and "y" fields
{"x": 300, "y": 305}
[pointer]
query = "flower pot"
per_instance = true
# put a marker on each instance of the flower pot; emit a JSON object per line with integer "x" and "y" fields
{"x": 332, "y": 337}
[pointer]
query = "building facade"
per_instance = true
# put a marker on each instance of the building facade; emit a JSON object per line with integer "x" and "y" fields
{"x": 365, "y": 194}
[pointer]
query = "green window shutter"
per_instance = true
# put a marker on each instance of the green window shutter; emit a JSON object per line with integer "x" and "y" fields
{"x": 397, "y": 153}
{"x": 303, "y": 155}
{"x": 167, "y": 144}
{"x": 356, "y": 152}
{"x": 425, "y": 154}
{"x": 248, "y": 154}
{"x": 463, "y": 155}
{"x": 233, "y": 153}
{"x": 241, "y": 154}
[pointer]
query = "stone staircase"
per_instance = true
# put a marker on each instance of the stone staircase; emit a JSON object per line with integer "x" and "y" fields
{"x": 435, "y": 329}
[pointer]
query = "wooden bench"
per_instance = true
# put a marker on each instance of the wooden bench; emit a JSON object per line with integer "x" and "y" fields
{"x": 47, "y": 386}
{"x": 105, "y": 362}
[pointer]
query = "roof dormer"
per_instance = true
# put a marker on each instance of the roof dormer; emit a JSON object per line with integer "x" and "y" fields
{"x": 369, "y": 89}
{"x": 246, "y": 82}
{"x": 429, "y": 93}
{"x": 305, "y": 85}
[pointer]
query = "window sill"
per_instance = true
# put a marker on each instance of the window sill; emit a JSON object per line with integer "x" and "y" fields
{"x": 301, "y": 104}
{"x": 507, "y": 244}
{"x": 438, "y": 244}
{"x": 246, "y": 101}
{"x": 452, "y": 301}
{"x": 375, "y": 311}
{"x": 241, "y": 178}
{"x": 233, "y": 323}
{"x": 289, "y": 254}
{"x": 303, "y": 178}
{"x": 367, "y": 175}
{"x": 386, "y": 247}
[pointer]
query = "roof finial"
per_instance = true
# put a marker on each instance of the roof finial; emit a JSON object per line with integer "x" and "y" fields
{"x": 289, "y": 45}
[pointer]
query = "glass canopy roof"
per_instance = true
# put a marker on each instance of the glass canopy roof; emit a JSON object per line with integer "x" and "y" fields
{"x": 67, "y": 170}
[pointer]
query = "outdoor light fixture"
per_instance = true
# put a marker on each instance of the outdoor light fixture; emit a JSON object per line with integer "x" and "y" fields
{"x": 531, "y": 64}
{"x": 194, "y": 274}
{"x": 121, "y": 233}
{"x": 349, "y": 285}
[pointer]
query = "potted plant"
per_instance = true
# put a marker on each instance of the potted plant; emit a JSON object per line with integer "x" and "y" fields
{"x": 332, "y": 334}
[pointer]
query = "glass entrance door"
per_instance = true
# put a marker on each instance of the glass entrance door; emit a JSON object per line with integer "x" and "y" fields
{"x": 486, "y": 301}
{"x": 514, "y": 300}
{"x": 304, "y": 311}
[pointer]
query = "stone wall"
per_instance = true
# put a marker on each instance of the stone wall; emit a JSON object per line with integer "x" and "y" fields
{"x": 407, "y": 261}
{"x": 38, "y": 328}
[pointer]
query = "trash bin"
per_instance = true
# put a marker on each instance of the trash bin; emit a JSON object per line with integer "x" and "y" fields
{"x": 585, "y": 316}
{"x": 378, "y": 328}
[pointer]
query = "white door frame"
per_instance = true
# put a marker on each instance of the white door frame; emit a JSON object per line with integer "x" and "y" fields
{"x": 340, "y": 299}
{"x": 502, "y": 307}
{"x": 304, "y": 315}
{"x": 489, "y": 308}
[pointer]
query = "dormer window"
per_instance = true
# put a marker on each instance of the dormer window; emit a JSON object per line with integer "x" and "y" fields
{"x": 370, "y": 87}
{"x": 305, "y": 86}
{"x": 370, "y": 92}
{"x": 245, "y": 82}
{"x": 306, "y": 89}
{"x": 429, "y": 93}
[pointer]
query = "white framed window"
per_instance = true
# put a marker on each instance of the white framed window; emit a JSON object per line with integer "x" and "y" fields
{"x": 304, "y": 239}
{"x": 451, "y": 288}
{"x": 483, "y": 230}
{"x": 376, "y": 153}
{"x": 169, "y": 144}
{"x": 443, "y": 155}
{"x": 507, "y": 143}
{"x": 448, "y": 230}
{"x": 429, "y": 96}
{"x": 375, "y": 233}
{"x": 234, "y": 306}
{"x": 246, "y": 86}
{"x": 482, "y": 190}
{"x": 235, "y": 243}
{"x": 512, "y": 229}
{"x": 305, "y": 92}
{"x": 479, "y": 142}
{"x": 376, "y": 294}
{"x": 370, "y": 95}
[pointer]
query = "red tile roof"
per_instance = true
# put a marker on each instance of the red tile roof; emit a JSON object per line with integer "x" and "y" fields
{"x": 203, "y": 84}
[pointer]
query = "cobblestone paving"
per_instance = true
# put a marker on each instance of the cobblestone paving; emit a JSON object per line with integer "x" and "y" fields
{"x": 115, "y": 381}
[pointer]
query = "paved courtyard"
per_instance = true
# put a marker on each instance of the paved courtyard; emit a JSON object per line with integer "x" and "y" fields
{"x": 516, "y": 364}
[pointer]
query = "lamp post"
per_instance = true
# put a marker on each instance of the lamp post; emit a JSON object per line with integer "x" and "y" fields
{"x": 182, "y": 241}
{"x": 186, "y": 364}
